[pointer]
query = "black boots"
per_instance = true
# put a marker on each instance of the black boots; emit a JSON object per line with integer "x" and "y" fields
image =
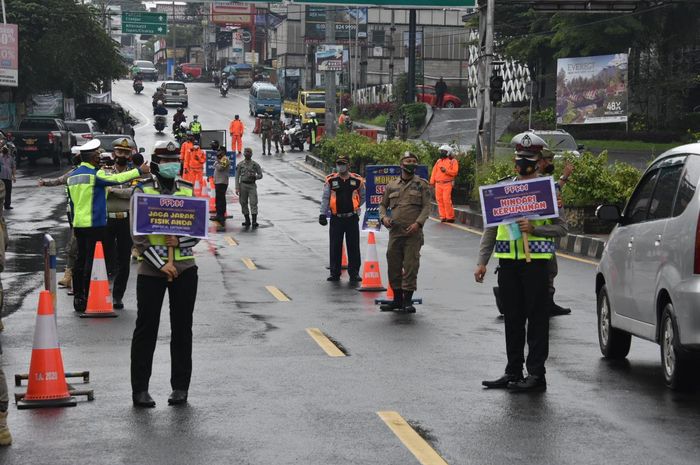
{"x": 408, "y": 302}
{"x": 255, "y": 221}
{"x": 395, "y": 304}
{"x": 246, "y": 223}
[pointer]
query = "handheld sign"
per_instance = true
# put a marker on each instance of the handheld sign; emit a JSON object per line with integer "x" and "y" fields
{"x": 170, "y": 215}
{"x": 377, "y": 177}
{"x": 503, "y": 204}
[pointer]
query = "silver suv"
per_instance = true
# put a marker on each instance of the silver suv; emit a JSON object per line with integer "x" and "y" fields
{"x": 648, "y": 279}
{"x": 175, "y": 92}
{"x": 559, "y": 142}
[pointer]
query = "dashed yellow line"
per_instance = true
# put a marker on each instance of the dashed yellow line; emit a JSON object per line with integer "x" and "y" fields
{"x": 425, "y": 454}
{"x": 249, "y": 263}
{"x": 231, "y": 241}
{"x": 279, "y": 295}
{"x": 559, "y": 254}
{"x": 326, "y": 344}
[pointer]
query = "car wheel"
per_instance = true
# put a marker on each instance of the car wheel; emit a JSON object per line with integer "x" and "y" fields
{"x": 678, "y": 366}
{"x": 614, "y": 344}
{"x": 449, "y": 105}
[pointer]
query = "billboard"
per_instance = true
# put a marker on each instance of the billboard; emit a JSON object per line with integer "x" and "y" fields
{"x": 232, "y": 14}
{"x": 329, "y": 58}
{"x": 592, "y": 90}
{"x": 347, "y": 20}
{"x": 9, "y": 62}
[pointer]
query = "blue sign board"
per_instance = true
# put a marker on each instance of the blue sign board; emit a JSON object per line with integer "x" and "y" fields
{"x": 377, "y": 177}
{"x": 507, "y": 203}
{"x": 170, "y": 214}
{"x": 211, "y": 158}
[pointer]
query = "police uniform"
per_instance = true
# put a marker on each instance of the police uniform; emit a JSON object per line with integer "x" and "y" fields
{"x": 524, "y": 286}
{"x": 405, "y": 201}
{"x": 313, "y": 131}
{"x": 247, "y": 173}
{"x": 343, "y": 196}
{"x": 266, "y": 133}
{"x": 196, "y": 128}
{"x": 151, "y": 285}
{"x": 87, "y": 189}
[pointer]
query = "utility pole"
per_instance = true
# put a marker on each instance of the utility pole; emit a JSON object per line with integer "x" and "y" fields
{"x": 174, "y": 45}
{"x": 330, "y": 75}
{"x": 392, "y": 30}
{"x": 485, "y": 114}
{"x": 411, "y": 75}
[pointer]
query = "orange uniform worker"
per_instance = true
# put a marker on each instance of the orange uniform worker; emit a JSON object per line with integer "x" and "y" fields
{"x": 185, "y": 154}
{"x": 236, "y": 131}
{"x": 444, "y": 173}
{"x": 197, "y": 160}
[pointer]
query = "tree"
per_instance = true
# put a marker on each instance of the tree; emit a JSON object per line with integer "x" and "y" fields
{"x": 62, "y": 46}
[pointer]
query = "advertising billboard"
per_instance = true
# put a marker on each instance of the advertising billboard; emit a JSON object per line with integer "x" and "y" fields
{"x": 232, "y": 14}
{"x": 592, "y": 90}
{"x": 347, "y": 20}
{"x": 329, "y": 58}
{"x": 9, "y": 55}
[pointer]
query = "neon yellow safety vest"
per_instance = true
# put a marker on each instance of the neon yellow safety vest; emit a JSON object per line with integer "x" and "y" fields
{"x": 158, "y": 240}
{"x": 196, "y": 127}
{"x": 541, "y": 248}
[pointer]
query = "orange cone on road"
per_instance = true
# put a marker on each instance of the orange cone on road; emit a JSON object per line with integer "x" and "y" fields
{"x": 371, "y": 276}
{"x": 47, "y": 381}
{"x": 99, "y": 304}
{"x": 389, "y": 296}
{"x": 197, "y": 188}
{"x": 212, "y": 195}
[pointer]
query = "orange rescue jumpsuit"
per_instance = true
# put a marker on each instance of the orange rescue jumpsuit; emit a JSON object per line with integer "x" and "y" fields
{"x": 444, "y": 172}
{"x": 236, "y": 131}
{"x": 196, "y": 162}
{"x": 184, "y": 158}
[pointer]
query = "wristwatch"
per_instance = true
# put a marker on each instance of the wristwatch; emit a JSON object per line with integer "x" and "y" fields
{"x": 563, "y": 178}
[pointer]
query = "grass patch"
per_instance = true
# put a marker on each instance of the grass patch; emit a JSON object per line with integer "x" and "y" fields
{"x": 379, "y": 120}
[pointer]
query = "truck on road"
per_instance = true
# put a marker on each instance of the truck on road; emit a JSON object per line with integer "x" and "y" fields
{"x": 40, "y": 137}
{"x": 306, "y": 102}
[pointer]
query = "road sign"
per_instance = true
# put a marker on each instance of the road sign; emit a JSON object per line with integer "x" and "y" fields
{"x": 246, "y": 37}
{"x": 141, "y": 22}
{"x": 9, "y": 76}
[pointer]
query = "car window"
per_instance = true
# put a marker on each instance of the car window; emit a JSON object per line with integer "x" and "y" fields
{"x": 175, "y": 86}
{"x": 267, "y": 94}
{"x": 560, "y": 141}
{"x": 639, "y": 204}
{"x": 37, "y": 124}
{"x": 79, "y": 127}
{"x": 315, "y": 100}
{"x": 425, "y": 90}
{"x": 661, "y": 205}
{"x": 688, "y": 184}
{"x": 143, "y": 64}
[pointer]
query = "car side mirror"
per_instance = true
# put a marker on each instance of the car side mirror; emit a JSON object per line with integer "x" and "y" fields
{"x": 142, "y": 150}
{"x": 610, "y": 213}
{"x": 581, "y": 147}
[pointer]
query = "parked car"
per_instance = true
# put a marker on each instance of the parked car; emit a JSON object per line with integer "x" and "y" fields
{"x": 427, "y": 95}
{"x": 111, "y": 118}
{"x": 648, "y": 280}
{"x": 560, "y": 142}
{"x": 147, "y": 70}
{"x": 175, "y": 92}
{"x": 192, "y": 70}
{"x": 83, "y": 130}
{"x": 42, "y": 138}
{"x": 106, "y": 141}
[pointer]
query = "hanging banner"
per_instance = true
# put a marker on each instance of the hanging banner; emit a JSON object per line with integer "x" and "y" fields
{"x": 377, "y": 177}
{"x": 507, "y": 203}
{"x": 9, "y": 55}
{"x": 232, "y": 14}
{"x": 170, "y": 214}
{"x": 47, "y": 104}
{"x": 592, "y": 90}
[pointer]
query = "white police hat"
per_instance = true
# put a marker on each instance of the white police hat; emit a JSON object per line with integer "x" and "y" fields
{"x": 90, "y": 146}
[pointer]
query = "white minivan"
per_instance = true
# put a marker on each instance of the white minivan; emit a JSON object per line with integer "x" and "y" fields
{"x": 648, "y": 279}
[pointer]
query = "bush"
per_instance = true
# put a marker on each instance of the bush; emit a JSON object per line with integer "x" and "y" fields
{"x": 416, "y": 113}
{"x": 372, "y": 110}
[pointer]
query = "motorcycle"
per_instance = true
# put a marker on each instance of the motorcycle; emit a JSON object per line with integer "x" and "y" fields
{"x": 296, "y": 136}
{"x": 223, "y": 89}
{"x": 138, "y": 86}
{"x": 159, "y": 124}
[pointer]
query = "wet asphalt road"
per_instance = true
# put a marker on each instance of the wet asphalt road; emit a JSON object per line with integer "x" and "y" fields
{"x": 263, "y": 392}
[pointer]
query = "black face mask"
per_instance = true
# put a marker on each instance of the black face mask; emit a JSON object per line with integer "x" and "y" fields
{"x": 549, "y": 169}
{"x": 525, "y": 167}
{"x": 121, "y": 161}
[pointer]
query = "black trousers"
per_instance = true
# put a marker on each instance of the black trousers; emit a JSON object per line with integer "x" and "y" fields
{"x": 8, "y": 192}
{"x": 150, "y": 291}
{"x": 86, "y": 239}
{"x": 350, "y": 228}
{"x": 525, "y": 299}
{"x": 118, "y": 249}
{"x": 221, "y": 201}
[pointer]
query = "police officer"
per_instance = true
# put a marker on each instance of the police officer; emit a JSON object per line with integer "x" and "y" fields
{"x": 247, "y": 173}
{"x": 408, "y": 197}
{"x": 196, "y": 128}
{"x": 236, "y": 129}
{"x": 156, "y": 274}
{"x": 523, "y": 286}
{"x": 88, "y": 200}
{"x": 442, "y": 177}
{"x": 343, "y": 195}
{"x": 266, "y": 133}
{"x": 277, "y": 132}
{"x": 312, "y": 125}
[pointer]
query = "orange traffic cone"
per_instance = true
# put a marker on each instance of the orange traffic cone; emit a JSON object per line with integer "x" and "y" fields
{"x": 389, "y": 296}
{"x": 47, "y": 381}
{"x": 212, "y": 195}
{"x": 197, "y": 188}
{"x": 99, "y": 304}
{"x": 371, "y": 276}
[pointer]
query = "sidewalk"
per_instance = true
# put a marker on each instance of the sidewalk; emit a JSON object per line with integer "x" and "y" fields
{"x": 577, "y": 244}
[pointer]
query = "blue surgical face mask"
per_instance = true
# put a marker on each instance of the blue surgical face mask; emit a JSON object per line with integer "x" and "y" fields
{"x": 169, "y": 170}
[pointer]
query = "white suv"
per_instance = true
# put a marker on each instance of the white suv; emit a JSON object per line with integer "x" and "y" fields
{"x": 648, "y": 279}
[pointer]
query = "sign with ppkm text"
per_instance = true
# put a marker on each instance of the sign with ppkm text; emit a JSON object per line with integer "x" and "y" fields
{"x": 509, "y": 202}
{"x": 170, "y": 215}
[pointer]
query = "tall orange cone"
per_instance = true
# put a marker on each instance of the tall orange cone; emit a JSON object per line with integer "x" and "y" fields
{"x": 47, "y": 381}
{"x": 197, "y": 188}
{"x": 371, "y": 276}
{"x": 212, "y": 195}
{"x": 99, "y": 304}
{"x": 389, "y": 296}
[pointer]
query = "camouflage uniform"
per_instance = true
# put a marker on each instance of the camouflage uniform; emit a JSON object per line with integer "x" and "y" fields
{"x": 277, "y": 131}
{"x": 247, "y": 173}
{"x": 266, "y": 133}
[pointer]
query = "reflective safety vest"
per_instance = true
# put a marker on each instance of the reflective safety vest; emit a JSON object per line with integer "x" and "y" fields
{"x": 313, "y": 128}
{"x": 357, "y": 185}
{"x": 158, "y": 240}
{"x": 196, "y": 127}
{"x": 541, "y": 248}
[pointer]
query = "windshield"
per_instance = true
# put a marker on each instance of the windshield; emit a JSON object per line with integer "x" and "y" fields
{"x": 78, "y": 127}
{"x": 34, "y": 124}
{"x": 175, "y": 86}
{"x": 316, "y": 100}
{"x": 143, "y": 64}
{"x": 268, "y": 94}
{"x": 559, "y": 142}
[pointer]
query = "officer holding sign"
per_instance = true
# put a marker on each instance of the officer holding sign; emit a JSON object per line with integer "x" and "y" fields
{"x": 157, "y": 273}
{"x": 523, "y": 280}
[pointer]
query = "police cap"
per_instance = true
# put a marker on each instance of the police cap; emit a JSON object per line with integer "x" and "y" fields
{"x": 90, "y": 146}
{"x": 408, "y": 154}
{"x": 342, "y": 159}
{"x": 167, "y": 150}
{"x": 123, "y": 143}
{"x": 528, "y": 144}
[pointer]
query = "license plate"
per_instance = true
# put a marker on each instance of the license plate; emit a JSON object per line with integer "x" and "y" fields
{"x": 270, "y": 108}
{"x": 175, "y": 94}
{"x": 31, "y": 148}
{"x": 30, "y": 141}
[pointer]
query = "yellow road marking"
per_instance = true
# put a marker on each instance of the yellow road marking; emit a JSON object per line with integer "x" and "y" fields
{"x": 249, "y": 263}
{"x": 231, "y": 241}
{"x": 425, "y": 454}
{"x": 279, "y": 295}
{"x": 559, "y": 254}
{"x": 325, "y": 343}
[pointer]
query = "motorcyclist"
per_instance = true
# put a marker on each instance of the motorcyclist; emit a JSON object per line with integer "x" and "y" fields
{"x": 160, "y": 109}
{"x": 138, "y": 80}
{"x": 158, "y": 96}
{"x": 181, "y": 133}
{"x": 179, "y": 118}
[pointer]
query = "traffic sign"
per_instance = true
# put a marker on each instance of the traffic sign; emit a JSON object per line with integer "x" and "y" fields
{"x": 246, "y": 37}
{"x": 142, "y": 22}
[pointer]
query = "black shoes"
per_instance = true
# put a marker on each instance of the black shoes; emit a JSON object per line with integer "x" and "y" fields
{"x": 532, "y": 383}
{"x": 333, "y": 278}
{"x": 407, "y": 303}
{"x": 255, "y": 221}
{"x": 556, "y": 310}
{"x": 178, "y": 397}
{"x": 355, "y": 279}
{"x": 246, "y": 223}
{"x": 79, "y": 304}
{"x": 117, "y": 304}
{"x": 395, "y": 304}
{"x": 143, "y": 399}
{"x": 503, "y": 382}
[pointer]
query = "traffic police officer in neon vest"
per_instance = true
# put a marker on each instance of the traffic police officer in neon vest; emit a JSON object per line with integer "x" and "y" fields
{"x": 312, "y": 124}
{"x": 343, "y": 195}
{"x": 88, "y": 201}
{"x": 196, "y": 128}
{"x": 523, "y": 286}
{"x": 156, "y": 275}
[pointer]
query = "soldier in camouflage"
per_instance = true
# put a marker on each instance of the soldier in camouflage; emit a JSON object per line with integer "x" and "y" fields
{"x": 247, "y": 173}
{"x": 266, "y": 133}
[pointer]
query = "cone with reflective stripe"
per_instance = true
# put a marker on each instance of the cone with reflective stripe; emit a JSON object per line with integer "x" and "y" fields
{"x": 371, "y": 276}
{"x": 344, "y": 259}
{"x": 212, "y": 195}
{"x": 389, "y": 296}
{"x": 47, "y": 381}
{"x": 99, "y": 304}
{"x": 197, "y": 188}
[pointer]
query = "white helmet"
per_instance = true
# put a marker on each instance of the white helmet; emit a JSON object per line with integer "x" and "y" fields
{"x": 445, "y": 148}
{"x": 344, "y": 110}
{"x": 159, "y": 102}
{"x": 312, "y": 114}
{"x": 184, "y": 125}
